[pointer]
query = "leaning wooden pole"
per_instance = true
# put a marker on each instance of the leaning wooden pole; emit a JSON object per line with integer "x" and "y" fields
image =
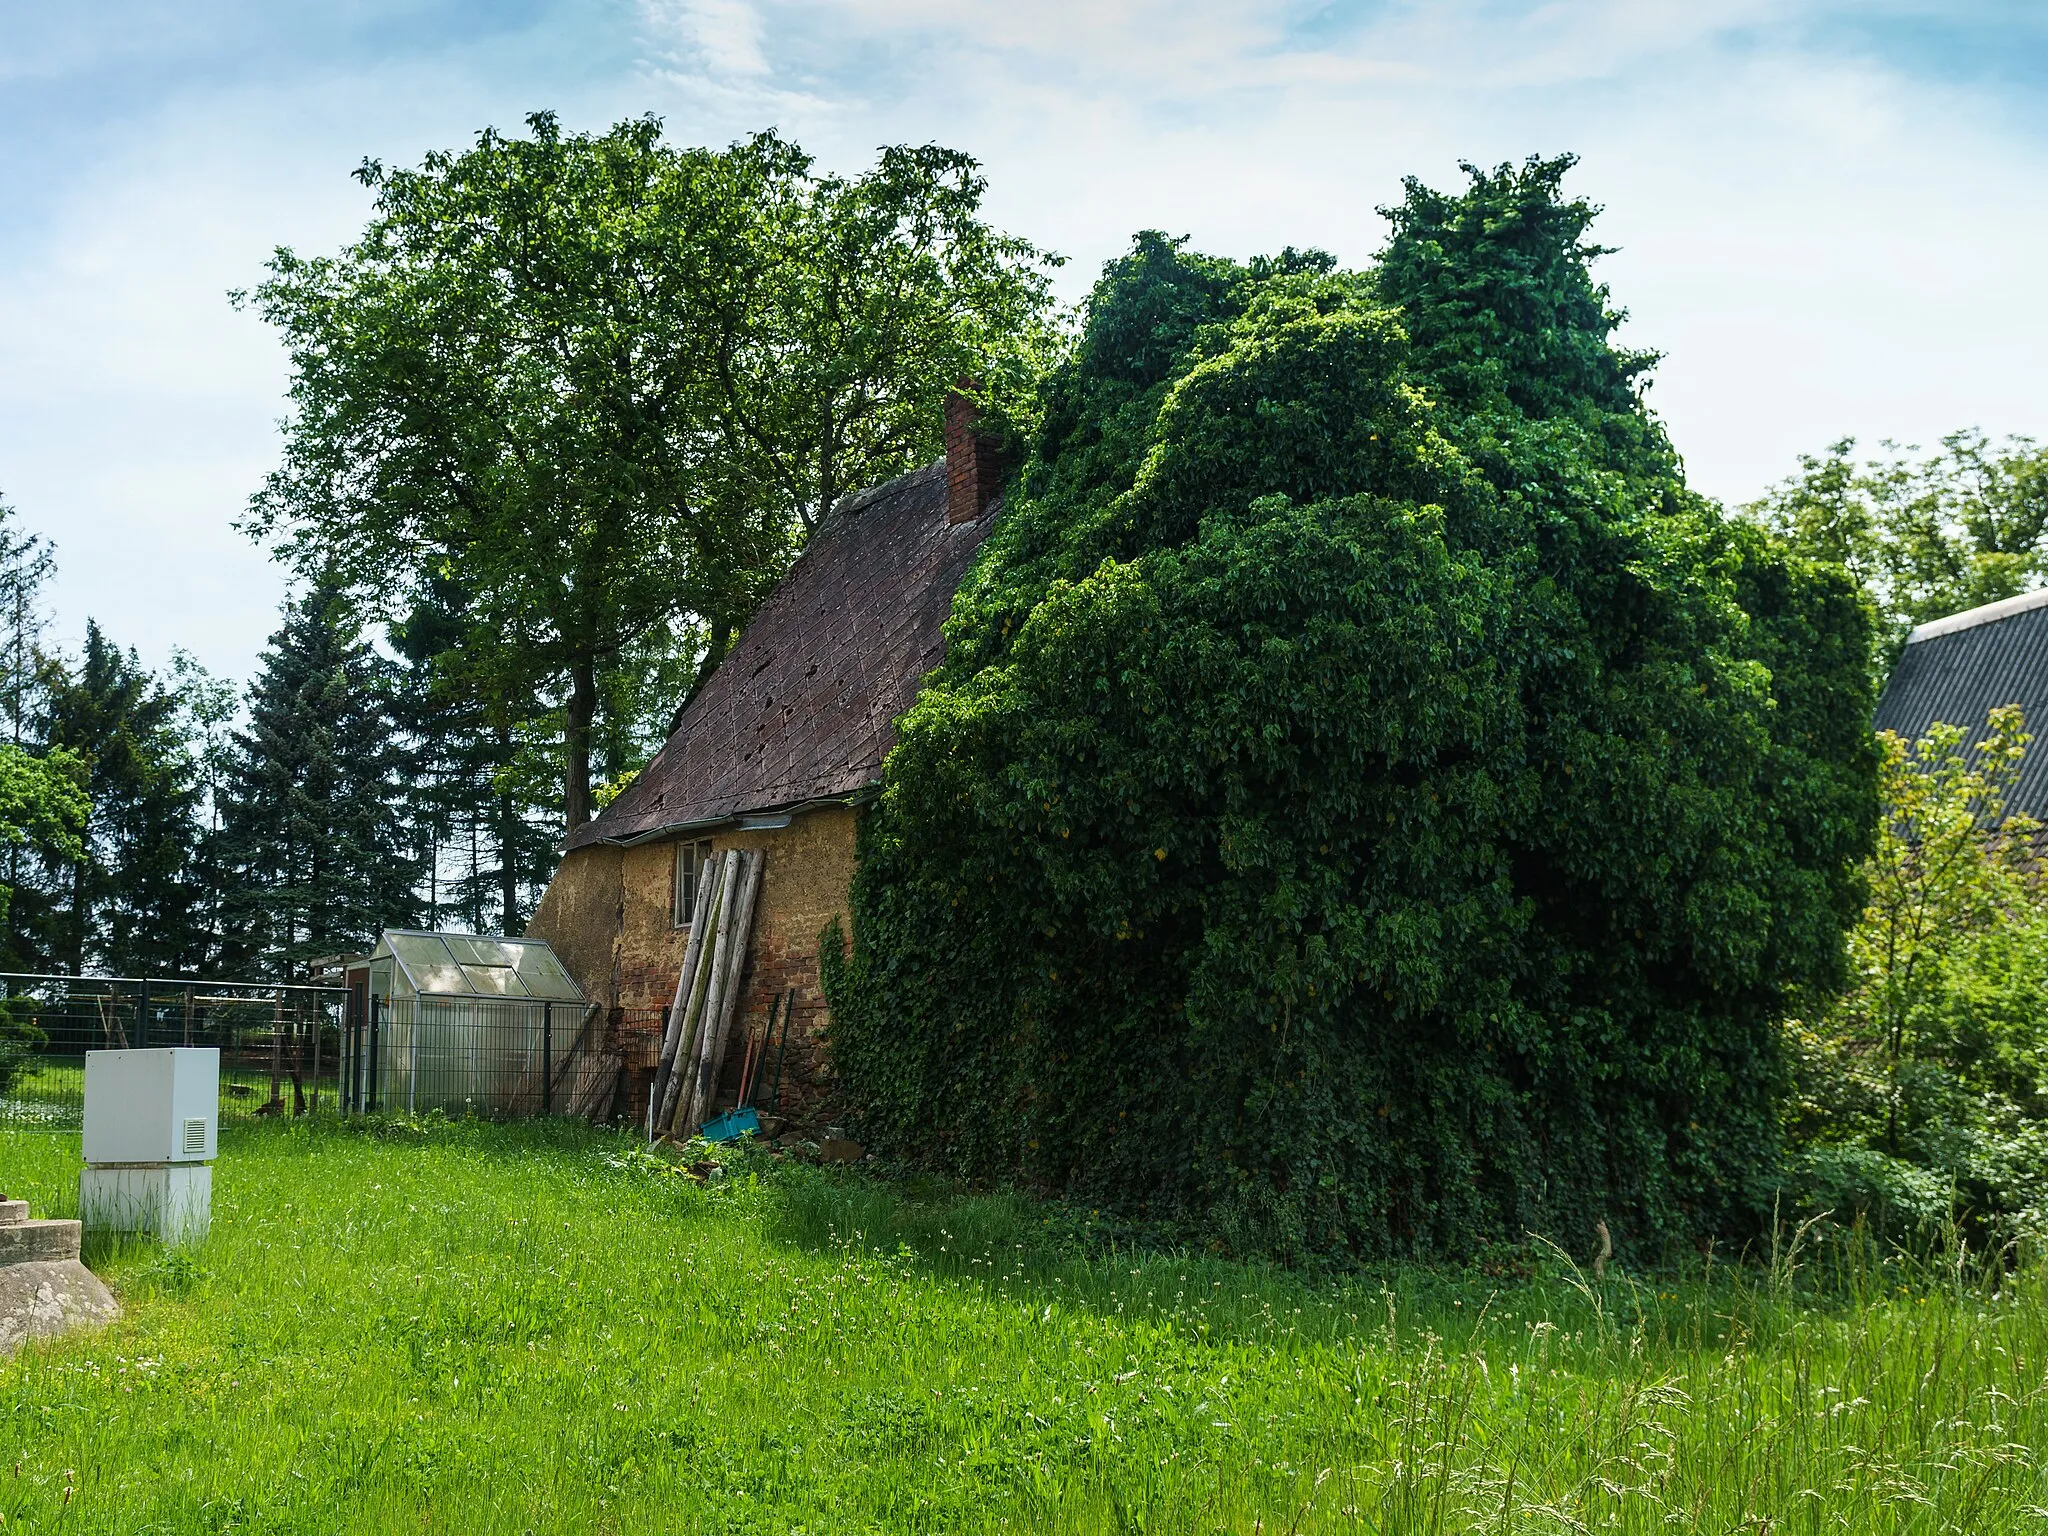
{"x": 717, "y": 1024}
{"x": 683, "y": 1119}
{"x": 672, "y": 1035}
{"x": 715, "y": 916}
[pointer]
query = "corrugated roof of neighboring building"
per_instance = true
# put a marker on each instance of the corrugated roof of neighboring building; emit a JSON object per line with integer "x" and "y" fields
{"x": 804, "y": 707}
{"x": 1958, "y": 669}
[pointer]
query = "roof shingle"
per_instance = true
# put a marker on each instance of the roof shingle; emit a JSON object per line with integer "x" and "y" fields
{"x": 804, "y": 707}
{"x": 1958, "y": 669}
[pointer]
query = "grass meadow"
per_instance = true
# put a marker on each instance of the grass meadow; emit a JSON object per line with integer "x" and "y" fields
{"x": 475, "y": 1328}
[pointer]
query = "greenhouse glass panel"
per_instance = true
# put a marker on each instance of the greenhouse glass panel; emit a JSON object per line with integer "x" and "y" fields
{"x": 427, "y": 962}
{"x": 541, "y": 970}
{"x": 494, "y": 980}
{"x": 471, "y": 950}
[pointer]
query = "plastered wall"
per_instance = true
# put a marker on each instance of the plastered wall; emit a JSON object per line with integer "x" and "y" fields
{"x": 608, "y": 914}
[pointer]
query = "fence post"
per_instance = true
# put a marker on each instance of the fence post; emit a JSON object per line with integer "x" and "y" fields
{"x": 547, "y": 1058}
{"x": 376, "y": 1018}
{"x": 142, "y": 1013}
{"x": 319, "y": 1029}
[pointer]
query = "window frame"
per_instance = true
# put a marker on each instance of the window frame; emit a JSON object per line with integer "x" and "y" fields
{"x": 686, "y": 880}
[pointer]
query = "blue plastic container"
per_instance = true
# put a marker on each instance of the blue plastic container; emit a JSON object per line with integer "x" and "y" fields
{"x": 731, "y": 1125}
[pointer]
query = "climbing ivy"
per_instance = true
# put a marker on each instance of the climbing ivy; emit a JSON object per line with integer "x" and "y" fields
{"x": 1369, "y": 804}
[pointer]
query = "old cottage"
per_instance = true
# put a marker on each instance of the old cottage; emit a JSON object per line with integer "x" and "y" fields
{"x": 777, "y": 754}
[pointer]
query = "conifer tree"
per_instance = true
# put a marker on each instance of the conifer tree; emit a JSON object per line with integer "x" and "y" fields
{"x": 128, "y": 904}
{"x": 26, "y": 561}
{"x": 312, "y": 832}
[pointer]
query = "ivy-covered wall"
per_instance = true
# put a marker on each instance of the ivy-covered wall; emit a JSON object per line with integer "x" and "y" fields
{"x": 1369, "y": 804}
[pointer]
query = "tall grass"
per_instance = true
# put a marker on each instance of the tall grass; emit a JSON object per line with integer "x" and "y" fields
{"x": 479, "y": 1329}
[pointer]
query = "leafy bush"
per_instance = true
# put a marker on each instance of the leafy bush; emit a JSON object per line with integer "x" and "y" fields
{"x": 17, "y": 1061}
{"x": 1935, "y": 1059}
{"x": 1369, "y": 804}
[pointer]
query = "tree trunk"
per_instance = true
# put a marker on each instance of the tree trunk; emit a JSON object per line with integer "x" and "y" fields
{"x": 576, "y": 739}
{"x": 81, "y": 917}
{"x": 508, "y": 848}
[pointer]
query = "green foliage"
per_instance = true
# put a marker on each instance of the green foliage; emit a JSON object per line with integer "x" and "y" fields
{"x": 1924, "y": 537}
{"x": 128, "y": 903}
{"x": 1369, "y": 804}
{"x": 601, "y": 384}
{"x": 1928, "y": 1077}
{"x": 1496, "y": 286}
{"x": 316, "y": 858}
{"x": 43, "y": 803}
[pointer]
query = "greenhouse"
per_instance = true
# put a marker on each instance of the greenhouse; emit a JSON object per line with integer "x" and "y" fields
{"x": 460, "y": 1022}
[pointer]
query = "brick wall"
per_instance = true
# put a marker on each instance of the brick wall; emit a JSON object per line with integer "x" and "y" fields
{"x": 608, "y": 913}
{"x": 974, "y": 471}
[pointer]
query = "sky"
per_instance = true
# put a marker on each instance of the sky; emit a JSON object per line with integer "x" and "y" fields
{"x": 1831, "y": 219}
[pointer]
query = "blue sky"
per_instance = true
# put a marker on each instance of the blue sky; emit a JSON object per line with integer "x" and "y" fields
{"x": 1832, "y": 218}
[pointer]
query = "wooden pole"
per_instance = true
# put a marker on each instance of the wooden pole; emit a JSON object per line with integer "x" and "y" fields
{"x": 672, "y": 1037}
{"x": 683, "y": 1118}
{"x": 713, "y": 913}
{"x": 718, "y": 1020}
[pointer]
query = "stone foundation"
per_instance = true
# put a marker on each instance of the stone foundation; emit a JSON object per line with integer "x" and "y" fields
{"x": 44, "y": 1290}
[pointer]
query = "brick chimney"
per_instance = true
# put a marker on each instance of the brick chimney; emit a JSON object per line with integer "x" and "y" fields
{"x": 974, "y": 473}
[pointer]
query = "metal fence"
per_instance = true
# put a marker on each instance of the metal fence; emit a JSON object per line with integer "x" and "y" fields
{"x": 498, "y": 1057}
{"x": 280, "y": 1045}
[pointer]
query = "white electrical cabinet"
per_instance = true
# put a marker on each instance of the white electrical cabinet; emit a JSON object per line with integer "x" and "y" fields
{"x": 152, "y": 1106}
{"x": 151, "y": 1127}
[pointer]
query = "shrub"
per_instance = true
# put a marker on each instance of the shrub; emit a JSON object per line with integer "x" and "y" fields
{"x": 17, "y": 1061}
{"x": 1366, "y": 806}
{"x": 1935, "y": 1058}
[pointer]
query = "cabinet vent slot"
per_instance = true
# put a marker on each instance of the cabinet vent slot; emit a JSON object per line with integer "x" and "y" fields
{"x": 195, "y": 1135}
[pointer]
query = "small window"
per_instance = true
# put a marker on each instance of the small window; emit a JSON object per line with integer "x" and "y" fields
{"x": 693, "y": 862}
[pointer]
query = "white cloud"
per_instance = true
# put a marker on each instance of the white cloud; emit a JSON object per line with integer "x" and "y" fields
{"x": 723, "y": 36}
{"x": 1821, "y": 240}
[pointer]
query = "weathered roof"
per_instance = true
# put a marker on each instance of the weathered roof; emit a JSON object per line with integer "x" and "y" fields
{"x": 1958, "y": 669}
{"x": 804, "y": 707}
{"x": 477, "y": 965}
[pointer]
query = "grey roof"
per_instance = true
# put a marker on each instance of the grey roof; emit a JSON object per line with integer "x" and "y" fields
{"x": 477, "y": 965}
{"x": 1958, "y": 669}
{"x": 804, "y": 708}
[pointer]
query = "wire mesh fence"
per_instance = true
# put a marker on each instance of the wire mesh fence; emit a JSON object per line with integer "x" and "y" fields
{"x": 280, "y": 1045}
{"x": 499, "y": 1057}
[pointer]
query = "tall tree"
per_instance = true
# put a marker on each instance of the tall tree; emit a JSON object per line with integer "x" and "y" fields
{"x": 1925, "y": 535}
{"x": 26, "y": 562}
{"x": 207, "y": 708}
{"x": 1365, "y": 764}
{"x": 312, "y": 834}
{"x": 604, "y": 383}
{"x": 475, "y": 797}
{"x": 131, "y": 904}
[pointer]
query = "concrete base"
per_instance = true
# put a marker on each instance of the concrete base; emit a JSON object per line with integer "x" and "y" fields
{"x": 173, "y": 1202}
{"x": 42, "y": 1300}
{"x": 37, "y": 1242}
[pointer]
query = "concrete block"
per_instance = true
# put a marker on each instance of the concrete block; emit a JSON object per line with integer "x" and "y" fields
{"x": 12, "y": 1211}
{"x": 173, "y": 1202}
{"x": 36, "y": 1242}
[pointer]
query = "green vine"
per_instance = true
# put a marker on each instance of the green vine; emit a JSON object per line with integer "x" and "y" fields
{"x": 1369, "y": 804}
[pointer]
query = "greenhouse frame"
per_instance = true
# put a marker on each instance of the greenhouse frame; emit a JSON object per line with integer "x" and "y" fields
{"x": 459, "y": 1022}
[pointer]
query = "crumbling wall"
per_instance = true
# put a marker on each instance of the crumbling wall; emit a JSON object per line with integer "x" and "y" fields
{"x": 579, "y": 915}
{"x": 609, "y": 912}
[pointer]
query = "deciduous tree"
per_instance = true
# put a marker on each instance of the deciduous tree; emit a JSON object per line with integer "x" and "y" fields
{"x": 604, "y": 384}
